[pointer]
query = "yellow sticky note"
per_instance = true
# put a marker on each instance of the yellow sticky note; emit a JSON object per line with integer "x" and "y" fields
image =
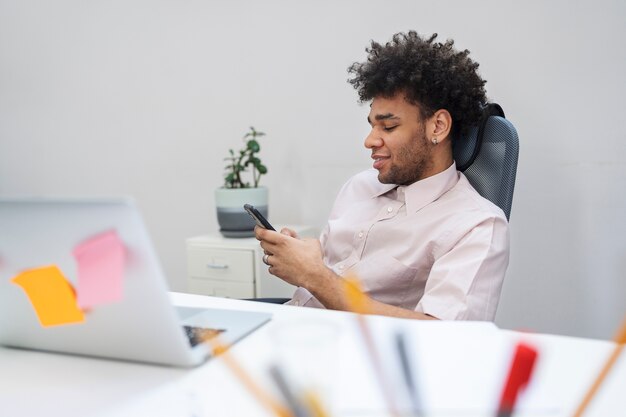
{"x": 51, "y": 295}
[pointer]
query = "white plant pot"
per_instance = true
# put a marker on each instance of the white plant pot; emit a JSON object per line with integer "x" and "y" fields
{"x": 234, "y": 221}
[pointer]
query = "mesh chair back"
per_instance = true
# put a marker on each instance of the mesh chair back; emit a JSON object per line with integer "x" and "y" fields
{"x": 490, "y": 164}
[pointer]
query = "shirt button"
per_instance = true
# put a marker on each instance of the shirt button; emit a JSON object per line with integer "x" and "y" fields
{"x": 296, "y": 303}
{"x": 389, "y": 209}
{"x": 360, "y": 234}
{"x": 341, "y": 267}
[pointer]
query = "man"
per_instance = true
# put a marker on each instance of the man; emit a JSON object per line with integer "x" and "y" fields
{"x": 422, "y": 241}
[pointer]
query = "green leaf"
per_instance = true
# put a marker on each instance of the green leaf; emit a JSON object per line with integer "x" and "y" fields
{"x": 253, "y": 145}
{"x": 240, "y": 160}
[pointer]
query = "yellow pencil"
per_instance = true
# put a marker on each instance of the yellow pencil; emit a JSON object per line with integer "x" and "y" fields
{"x": 264, "y": 398}
{"x": 620, "y": 339}
{"x": 357, "y": 303}
{"x": 314, "y": 404}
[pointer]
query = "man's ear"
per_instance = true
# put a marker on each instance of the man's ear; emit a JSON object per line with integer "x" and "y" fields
{"x": 439, "y": 126}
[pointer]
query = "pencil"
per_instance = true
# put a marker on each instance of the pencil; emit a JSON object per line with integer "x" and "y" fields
{"x": 620, "y": 340}
{"x": 409, "y": 381}
{"x": 314, "y": 404}
{"x": 357, "y": 303}
{"x": 295, "y": 406}
{"x": 264, "y": 398}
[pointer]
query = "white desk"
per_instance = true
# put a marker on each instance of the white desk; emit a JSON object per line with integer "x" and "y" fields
{"x": 41, "y": 384}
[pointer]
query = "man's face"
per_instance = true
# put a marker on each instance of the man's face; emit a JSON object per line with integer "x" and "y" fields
{"x": 400, "y": 150}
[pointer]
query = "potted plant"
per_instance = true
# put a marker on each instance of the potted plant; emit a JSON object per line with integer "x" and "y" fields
{"x": 243, "y": 172}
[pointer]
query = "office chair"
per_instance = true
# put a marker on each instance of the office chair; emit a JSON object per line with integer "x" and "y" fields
{"x": 487, "y": 155}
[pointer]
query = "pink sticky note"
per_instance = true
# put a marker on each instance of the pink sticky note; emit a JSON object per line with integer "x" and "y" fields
{"x": 100, "y": 270}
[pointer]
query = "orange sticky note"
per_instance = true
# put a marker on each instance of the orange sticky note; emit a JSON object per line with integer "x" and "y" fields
{"x": 51, "y": 295}
{"x": 100, "y": 270}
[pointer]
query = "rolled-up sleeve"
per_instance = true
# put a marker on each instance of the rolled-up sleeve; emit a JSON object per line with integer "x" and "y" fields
{"x": 466, "y": 278}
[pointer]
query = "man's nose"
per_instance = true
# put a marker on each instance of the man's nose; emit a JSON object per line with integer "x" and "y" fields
{"x": 373, "y": 140}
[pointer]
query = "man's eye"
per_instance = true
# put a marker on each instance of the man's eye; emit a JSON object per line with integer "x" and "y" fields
{"x": 389, "y": 128}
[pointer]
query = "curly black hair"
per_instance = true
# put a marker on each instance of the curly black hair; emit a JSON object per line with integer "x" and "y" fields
{"x": 432, "y": 75}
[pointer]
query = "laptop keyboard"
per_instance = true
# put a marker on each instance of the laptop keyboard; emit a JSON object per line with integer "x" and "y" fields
{"x": 200, "y": 334}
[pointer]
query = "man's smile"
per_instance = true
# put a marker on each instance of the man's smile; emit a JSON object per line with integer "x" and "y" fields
{"x": 379, "y": 160}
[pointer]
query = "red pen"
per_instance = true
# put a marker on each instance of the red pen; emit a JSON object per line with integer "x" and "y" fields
{"x": 519, "y": 376}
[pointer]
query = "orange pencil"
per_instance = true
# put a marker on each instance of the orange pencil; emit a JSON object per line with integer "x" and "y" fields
{"x": 620, "y": 339}
{"x": 264, "y": 398}
{"x": 357, "y": 302}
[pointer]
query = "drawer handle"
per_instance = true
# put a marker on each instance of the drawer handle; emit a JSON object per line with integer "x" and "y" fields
{"x": 217, "y": 266}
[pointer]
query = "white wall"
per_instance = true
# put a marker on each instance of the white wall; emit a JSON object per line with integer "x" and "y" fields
{"x": 145, "y": 97}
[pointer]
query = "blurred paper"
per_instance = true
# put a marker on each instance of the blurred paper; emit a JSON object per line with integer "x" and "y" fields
{"x": 51, "y": 295}
{"x": 100, "y": 270}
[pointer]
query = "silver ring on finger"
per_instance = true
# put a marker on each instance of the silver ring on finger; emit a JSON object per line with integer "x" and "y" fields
{"x": 266, "y": 259}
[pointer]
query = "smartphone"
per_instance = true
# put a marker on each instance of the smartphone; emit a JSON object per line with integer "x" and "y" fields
{"x": 258, "y": 217}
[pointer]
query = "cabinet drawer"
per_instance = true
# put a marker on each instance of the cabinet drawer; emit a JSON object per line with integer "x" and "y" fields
{"x": 221, "y": 288}
{"x": 221, "y": 264}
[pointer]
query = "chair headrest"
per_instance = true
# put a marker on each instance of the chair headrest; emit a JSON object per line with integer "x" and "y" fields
{"x": 466, "y": 147}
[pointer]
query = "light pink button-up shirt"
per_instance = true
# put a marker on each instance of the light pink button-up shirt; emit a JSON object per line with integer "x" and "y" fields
{"x": 435, "y": 246}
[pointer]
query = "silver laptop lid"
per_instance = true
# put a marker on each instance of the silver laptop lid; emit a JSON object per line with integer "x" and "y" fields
{"x": 141, "y": 326}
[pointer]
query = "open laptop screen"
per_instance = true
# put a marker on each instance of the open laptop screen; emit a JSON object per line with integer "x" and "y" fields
{"x": 110, "y": 298}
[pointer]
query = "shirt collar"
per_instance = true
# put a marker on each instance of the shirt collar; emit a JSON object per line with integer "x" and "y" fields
{"x": 423, "y": 192}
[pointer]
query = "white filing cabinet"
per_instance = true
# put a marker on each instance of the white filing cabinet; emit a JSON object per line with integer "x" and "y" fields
{"x": 233, "y": 268}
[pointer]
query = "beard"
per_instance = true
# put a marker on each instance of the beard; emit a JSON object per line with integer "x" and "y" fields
{"x": 410, "y": 164}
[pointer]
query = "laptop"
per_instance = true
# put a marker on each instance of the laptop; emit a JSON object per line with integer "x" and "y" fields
{"x": 140, "y": 325}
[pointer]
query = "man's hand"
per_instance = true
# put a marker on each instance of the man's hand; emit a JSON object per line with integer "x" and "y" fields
{"x": 296, "y": 261}
{"x": 300, "y": 262}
